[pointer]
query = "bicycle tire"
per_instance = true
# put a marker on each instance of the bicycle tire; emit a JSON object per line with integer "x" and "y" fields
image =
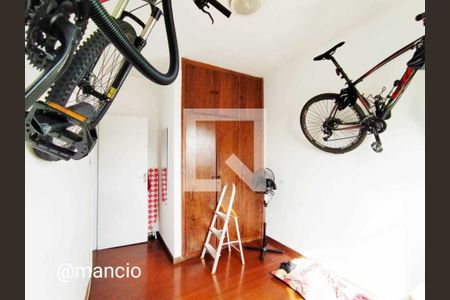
{"x": 358, "y": 113}
{"x": 83, "y": 62}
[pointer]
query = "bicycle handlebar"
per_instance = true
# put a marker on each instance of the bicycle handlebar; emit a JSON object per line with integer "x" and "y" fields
{"x": 112, "y": 31}
{"x": 220, "y": 7}
{"x": 420, "y": 17}
{"x": 201, "y": 4}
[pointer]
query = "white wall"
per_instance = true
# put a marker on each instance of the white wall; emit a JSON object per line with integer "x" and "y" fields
{"x": 141, "y": 97}
{"x": 58, "y": 225}
{"x": 170, "y": 210}
{"x": 59, "y": 216}
{"x": 361, "y": 213}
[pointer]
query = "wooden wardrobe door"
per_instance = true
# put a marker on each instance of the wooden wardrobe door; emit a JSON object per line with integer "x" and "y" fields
{"x": 227, "y": 87}
{"x": 236, "y": 137}
{"x": 251, "y": 92}
{"x": 227, "y": 136}
{"x": 251, "y": 97}
{"x": 199, "y": 206}
{"x": 199, "y": 89}
{"x": 251, "y": 212}
{"x": 210, "y": 87}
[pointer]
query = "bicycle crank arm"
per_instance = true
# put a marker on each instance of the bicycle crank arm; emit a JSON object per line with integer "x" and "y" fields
{"x": 59, "y": 131}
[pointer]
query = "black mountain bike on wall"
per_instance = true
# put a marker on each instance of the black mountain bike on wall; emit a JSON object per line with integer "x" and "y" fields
{"x": 335, "y": 123}
{"x": 82, "y": 82}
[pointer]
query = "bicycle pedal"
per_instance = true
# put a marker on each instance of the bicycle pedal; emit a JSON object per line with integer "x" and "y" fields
{"x": 377, "y": 147}
{"x": 59, "y": 131}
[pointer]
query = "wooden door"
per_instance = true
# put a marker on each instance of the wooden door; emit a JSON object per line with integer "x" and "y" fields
{"x": 251, "y": 203}
{"x": 199, "y": 87}
{"x": 210, "y": 87}
{"x": 250, "y": 92}
{"x": 227, "y": 89}
{"x": 199, "y": 92}
{"x": 227, "y": 139}
{"x": 199, "y": 206}
{"x": 227, "y": 134}
{"x": 250, "y": 97}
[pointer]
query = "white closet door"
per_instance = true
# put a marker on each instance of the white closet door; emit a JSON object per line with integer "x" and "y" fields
{"x": 122, "y": 181}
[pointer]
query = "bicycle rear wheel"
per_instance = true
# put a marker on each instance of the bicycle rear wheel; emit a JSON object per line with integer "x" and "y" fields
{"x": 93, "y": 68}
{"x": 327, "y": 132}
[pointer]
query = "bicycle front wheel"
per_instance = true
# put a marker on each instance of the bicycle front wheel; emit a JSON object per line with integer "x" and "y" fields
{"x": 92, "y": 71}
{"x": 337, "y": 132}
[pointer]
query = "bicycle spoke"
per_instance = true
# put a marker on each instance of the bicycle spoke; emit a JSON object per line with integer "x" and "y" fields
{"x": 106, "y": 70}
{"x": 340, "y": 137}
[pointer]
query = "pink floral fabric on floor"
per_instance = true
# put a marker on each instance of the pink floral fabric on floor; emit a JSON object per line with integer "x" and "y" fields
{"x": 315, "y": 282}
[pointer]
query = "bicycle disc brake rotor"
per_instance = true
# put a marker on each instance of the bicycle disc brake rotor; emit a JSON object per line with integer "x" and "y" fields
{"x": 41, "y": 47}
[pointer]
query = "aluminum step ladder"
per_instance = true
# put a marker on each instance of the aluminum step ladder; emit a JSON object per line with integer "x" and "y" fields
{"x": 225, "y": 215}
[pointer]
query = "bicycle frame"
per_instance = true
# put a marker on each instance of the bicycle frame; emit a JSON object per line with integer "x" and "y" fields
{"x": 400, "y": 88}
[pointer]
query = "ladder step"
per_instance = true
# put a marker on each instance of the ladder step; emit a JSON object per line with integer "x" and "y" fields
{"x": 221, "y": 214}
{"x": 216, "y": 231}
{"x": 211, "y": 250}
{"x": 231, "y": 243}
{"x": 235, "y": 248}
{"x": 223, "y": 232}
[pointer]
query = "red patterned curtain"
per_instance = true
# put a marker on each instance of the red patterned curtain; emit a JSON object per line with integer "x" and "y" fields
{"x": 153, "y": 195}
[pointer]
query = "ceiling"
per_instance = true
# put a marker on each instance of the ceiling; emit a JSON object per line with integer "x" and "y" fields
{"x": 256, "y": 44}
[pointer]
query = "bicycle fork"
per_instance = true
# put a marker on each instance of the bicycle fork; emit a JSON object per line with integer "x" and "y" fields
{"x": 126, "y": 66}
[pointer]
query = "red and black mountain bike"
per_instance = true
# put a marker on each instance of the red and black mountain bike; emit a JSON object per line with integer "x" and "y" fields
{"x": 336, "y": 123}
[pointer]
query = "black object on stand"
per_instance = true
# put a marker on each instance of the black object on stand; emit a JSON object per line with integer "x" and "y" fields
{"x": 268, "y": 194}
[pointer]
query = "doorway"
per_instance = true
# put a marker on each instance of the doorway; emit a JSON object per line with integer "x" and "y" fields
{"x": 122, "y": 181}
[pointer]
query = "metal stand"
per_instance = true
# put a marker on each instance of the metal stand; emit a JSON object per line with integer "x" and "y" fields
{"x": 263, "y": 249}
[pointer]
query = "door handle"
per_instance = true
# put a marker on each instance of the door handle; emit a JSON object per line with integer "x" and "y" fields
{"x": 144, "y": 177}
{"x": 215, "y": 177}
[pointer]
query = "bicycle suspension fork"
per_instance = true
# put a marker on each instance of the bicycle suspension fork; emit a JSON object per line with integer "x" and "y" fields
{"x": 126, "y": 66}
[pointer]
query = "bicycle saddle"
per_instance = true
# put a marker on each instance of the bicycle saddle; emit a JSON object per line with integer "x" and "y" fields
{"x": 329, "y": 53}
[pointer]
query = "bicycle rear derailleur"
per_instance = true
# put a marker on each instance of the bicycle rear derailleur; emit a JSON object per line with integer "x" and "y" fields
{"x": 376, "y": 126}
